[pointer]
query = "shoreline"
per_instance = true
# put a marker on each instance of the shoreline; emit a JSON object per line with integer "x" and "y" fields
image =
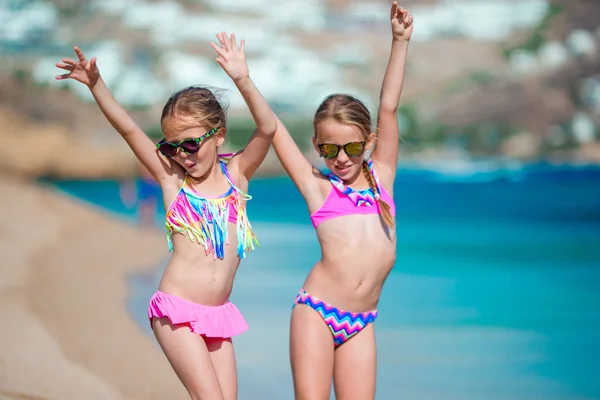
{"x": 61, "y": 154}
{"x": 445, "y": 169}
{"x": 65, "y": 290}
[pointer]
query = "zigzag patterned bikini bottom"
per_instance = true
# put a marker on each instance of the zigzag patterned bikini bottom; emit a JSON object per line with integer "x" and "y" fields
{"x": 342, "y": 324}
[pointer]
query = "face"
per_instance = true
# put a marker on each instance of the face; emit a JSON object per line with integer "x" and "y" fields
{"x": 196, "y": 164}
{"x": 346, "y": 167}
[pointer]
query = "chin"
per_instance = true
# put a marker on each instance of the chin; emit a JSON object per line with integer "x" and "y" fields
{"x": 195, "y": 171}
{"x": 348, "y": 174}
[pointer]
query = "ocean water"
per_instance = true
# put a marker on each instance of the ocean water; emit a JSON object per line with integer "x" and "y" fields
{"x": 495, "y": 293}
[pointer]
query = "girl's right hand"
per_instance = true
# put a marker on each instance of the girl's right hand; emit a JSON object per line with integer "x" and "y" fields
{"x": 83, "y": 70}
{"x": 231, "y": 57}
{"x": 402, "y": 22}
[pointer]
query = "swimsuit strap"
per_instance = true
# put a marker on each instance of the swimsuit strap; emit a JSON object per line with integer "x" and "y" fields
{"x": 226, "y": 156}
{"x": 229, "y": 178}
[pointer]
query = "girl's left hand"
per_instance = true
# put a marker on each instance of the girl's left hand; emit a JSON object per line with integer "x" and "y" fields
{"x": 231, "y": 57}
{"x": 402, "y": 22}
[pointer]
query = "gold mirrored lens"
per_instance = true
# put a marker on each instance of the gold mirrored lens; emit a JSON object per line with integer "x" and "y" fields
{"x": 329, "y": 150}
{"x": 354, "y": 149}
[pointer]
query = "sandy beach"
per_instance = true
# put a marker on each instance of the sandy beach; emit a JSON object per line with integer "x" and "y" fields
{"x": 65, "y": 331}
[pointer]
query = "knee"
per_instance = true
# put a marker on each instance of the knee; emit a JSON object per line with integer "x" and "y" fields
{"x": 300, "y": 395}
{"x": 312, "y": 391}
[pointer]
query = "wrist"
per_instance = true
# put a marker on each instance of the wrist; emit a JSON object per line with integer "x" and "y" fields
{"x": 241, "y": 81}
{"x": 400, "y": 41}
{"x": 96, "y": 84}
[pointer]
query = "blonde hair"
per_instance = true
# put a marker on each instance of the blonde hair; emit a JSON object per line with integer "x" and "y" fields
{"x": 197, "y": 102}
{"x": 348, "y": 110}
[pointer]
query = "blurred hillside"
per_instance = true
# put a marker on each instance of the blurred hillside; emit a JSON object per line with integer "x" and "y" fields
{"x": 505, "y": 79}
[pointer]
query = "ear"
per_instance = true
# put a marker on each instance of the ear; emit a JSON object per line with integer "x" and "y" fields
{"x": 220, "y": 136}
{"x": 370, "y": 145}
{"x": 314, "y": 141}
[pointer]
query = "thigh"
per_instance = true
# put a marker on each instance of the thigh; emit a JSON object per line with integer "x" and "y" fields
{"x": 355, "y": 368}
{"x": 311, "y": 354}
{"x": 188, "y": 354}
{"x": 223, "y": 359}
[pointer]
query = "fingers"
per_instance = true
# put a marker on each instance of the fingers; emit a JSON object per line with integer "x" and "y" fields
{"x": 68, "y": 67}
{"x": 221, "y": 62}
{"x": 91, "y": 65}
{"x": 242, "y": 46}
{"x": 220, "y": 39}
{"x": 69, "y": 61}
{"x": 225, "y": 45}
{"x": 225, "y": 42}
{"x": 233, "y": 43}
{"x": 404, "y": 17}
{"x": 401, "y": 14}
{"x": 393, "y": 10}
{"x": 61, "y": 77}
{"x": 79, "y": 53}
{"x": 220, "y": 51}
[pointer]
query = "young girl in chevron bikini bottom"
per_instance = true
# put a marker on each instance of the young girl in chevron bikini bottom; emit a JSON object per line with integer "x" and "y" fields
{"x": 331, "y": 334}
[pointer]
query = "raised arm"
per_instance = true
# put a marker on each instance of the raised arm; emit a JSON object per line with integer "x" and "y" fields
{"x": 296, "y": 165}
{"x": 87, "y": 72}
{"x": 233, "y": 60}
{"x": 386, "y": 150}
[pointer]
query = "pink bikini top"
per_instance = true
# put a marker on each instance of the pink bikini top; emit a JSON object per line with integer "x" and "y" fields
{"x": 343, "y": 200}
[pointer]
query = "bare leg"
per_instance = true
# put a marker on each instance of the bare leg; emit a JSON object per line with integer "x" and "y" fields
{"x": 355, "y": 369}
{"x": 311, "y": 354}
{"x": 223, "y": 359}
{"x": 188, "y": 354}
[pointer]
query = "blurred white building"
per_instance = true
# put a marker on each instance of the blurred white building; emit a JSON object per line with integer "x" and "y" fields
{"x": 287, "y": 72}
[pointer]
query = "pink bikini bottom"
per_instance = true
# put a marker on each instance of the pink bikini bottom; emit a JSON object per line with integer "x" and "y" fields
{"x": 222, "y": 321}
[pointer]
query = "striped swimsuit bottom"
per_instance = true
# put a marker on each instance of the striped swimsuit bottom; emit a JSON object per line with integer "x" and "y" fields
{"x": 342, "y": 324}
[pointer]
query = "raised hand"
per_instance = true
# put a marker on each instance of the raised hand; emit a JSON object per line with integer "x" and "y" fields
{"x": 83, "y": 70}
{"x": 231, "y": 57}
{"x": 402, "y": 22}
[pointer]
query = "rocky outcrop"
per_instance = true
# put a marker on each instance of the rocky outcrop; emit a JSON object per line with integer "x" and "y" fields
{"x": 45, "y": 149}
{"x": 48, "y": 149}
{"x": 534, "y": 103}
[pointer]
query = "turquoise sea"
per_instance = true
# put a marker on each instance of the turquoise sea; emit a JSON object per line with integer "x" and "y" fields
{"x": 495, "y": 293}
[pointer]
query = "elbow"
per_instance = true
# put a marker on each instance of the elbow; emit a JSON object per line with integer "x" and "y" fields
{"x": 268, "y": 129}
{"x": 388, "y": 107}
{"x": 126, "y": 134}
{"x": 389, "y": 103}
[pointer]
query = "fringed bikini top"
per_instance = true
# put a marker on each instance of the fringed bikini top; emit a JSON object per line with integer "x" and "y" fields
{"x": 205, "y": 220}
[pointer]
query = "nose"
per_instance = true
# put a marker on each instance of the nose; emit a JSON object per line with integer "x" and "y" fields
{"x": 342, "y": 156}
{"x": 181, "y": 154}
